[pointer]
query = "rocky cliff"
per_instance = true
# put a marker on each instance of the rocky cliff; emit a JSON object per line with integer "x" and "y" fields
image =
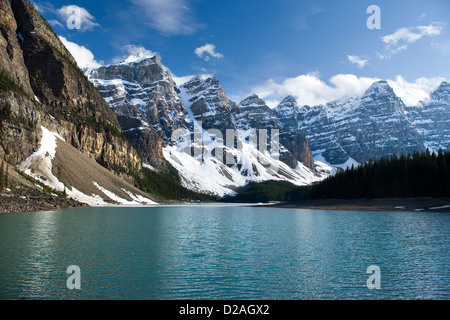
{"x": 52, "y": 91}
{"x": 368, "y": 127}
{"x": 42, "y": 87}
{"x": 144, "y": 99}
{"x": 432, "y": 119}
{"x": 150, "y": 107}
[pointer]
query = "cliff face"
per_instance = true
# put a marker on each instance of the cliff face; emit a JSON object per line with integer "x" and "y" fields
{"x": 368, "y": 127}
{"x": 48, "y": 89}
{"x": 432, "y": 119}
{"x": 142, "y": 95}
{"x": 18, "y": 111}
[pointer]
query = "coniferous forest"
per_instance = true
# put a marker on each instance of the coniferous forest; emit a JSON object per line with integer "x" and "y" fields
{"x": 418, "y": 175}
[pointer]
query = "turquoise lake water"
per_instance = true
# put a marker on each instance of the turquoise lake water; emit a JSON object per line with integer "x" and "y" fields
{"x": 224, "y": 252}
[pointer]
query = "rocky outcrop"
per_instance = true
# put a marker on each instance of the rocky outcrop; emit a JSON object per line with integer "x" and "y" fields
{"x": 290, "y": 136}
{"x": 18, "y": 111}
{"x": 143, "y": 97}
{"x": 432, "y": 119}
{"x": 253, "y": 113}
{"x": 209, "y": 103}
{"x": 150, "y": 108}
{"x": 47, "y": 88}
{"x": 369, "y": 127}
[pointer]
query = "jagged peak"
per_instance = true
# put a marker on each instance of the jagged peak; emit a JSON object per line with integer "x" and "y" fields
{"x": 252, "y": 100}
{"x": 380, "y": 87}
{"x": 442, "y": 93}
{"x": 140, "y": 57}
{"x": 200, "y": 79}
{"x": 289, "y": 102}
{"x": 444, "y": 86}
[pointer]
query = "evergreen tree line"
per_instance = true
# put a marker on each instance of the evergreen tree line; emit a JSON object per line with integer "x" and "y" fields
{"x": 423, "y": 174}
{"x": 168, "y": 186}
{"x": 262, "y": 192}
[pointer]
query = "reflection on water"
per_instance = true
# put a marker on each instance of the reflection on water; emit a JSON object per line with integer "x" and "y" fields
{"x": 224, "y": 252}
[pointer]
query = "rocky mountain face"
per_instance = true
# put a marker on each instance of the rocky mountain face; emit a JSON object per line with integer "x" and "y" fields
{"x": 151, "y": 107}
{"x": 206, "y": 100}
{"x": 358, "y": 129}
{"x": 291, "y": 137}
{"x": 44, "y": 95}
{"x": 148, "y": 103}
{"x": 432, "y": 119}
{"x": 144, "y": 99}
{"x": 51, "y": 91}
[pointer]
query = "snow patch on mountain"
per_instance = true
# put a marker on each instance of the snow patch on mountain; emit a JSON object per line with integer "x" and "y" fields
{"x": 39, "y": 166}
{"x": 323, "y": 164}
{"x": 208, "y": 174}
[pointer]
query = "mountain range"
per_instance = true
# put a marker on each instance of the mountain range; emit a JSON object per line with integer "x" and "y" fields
{"x": 150, "y": 107}
{"x": 123, "y": 119}
{"x": 55, "y": 127}
{"x": 314, "y": 140}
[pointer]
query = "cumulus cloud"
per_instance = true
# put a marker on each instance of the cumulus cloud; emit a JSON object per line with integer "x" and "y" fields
{"x": 55, "y": 23}
{"x": 83, "y": 56}
{"x": 207, "y": 51}
{"x": 310, "y": 90}
{"x": 414, "y": 92}
{"x": 134, "y": 53}
{"x": 77, "y": 16}
{"x": 43, "y": 6}
{"x": 171, "y": 17}
{"x": 358, "y": 61}
{"x": 403, "y": 37}
{"x": 181, "y": 80}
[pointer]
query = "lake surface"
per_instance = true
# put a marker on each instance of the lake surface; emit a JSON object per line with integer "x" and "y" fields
{"x": 224, "y": 252}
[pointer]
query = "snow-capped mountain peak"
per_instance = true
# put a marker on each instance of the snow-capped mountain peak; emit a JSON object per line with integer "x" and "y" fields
{"x": 252, "y": 100}
{"x": 442, "y": 93}
{"x": 289, "y": 101}
{"x": 379, "y": 88}
{"x": 139, "y": 57}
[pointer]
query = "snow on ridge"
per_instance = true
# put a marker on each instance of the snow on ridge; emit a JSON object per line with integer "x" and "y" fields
{"x": 39, "y": 166}
{"x": 113, "y": 196}
{"x": 139, "y": 57}
{"x": 211, "y": 176}
{"x": 138, "y": 198}
{"x": 320, "y": 160}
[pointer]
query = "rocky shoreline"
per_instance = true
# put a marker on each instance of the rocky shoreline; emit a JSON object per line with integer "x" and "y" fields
{"x": 28, "y": 197}
{"x": 18, "y": 204}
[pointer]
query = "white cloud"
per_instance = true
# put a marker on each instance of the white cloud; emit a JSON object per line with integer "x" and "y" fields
{"x": 55, "y": 23}
{"x": 207, "y": 51}
{"x": 181, "y": 80}
{"x": 43, "y": 6}
{"x": 360, "y": 62}
{"x": 83, "y": 56}
{"x": 401, "y": 38}
{"x": 414, "y": 92}
{"x": 310, "y": 90}
{"x": 134, "y": 53}
{"x": 172, "y": 17}
{"x": 77, "y": 15}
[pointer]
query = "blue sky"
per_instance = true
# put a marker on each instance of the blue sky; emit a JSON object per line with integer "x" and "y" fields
{"x": 317, "y": 51}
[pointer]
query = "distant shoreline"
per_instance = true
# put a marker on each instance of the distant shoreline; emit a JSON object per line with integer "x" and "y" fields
{"x": 38, "y": 203}
{"x": 389, "y": 204}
